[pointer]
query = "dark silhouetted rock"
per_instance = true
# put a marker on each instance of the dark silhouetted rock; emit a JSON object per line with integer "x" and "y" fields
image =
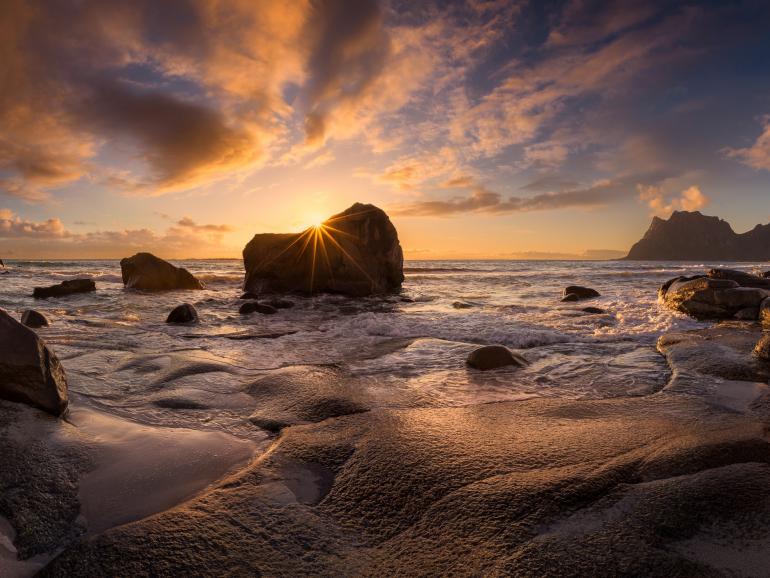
{"x": 594, "y": 310}
{"x": 461, "y": 305}
{"x": 29, "y": 372}
{"x": 184, "y": 313}
{"x": 34, "y": 319}
{"x": 762, "y": 348}
{"x": 355, "y": 253}
{"x": 146, "y": 272}
{"x": 253, "y": 307}
{"x": 65, "y": 288}
{"x": 743, "y": 278}
{"x": 570, "y": 297}
{"x": 688, "y": 236}
{"x": 494, "y": 356}
{"x": 580, "y": 292}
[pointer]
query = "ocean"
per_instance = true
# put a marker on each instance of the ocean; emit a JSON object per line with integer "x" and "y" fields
{"x": 121, "y": 357}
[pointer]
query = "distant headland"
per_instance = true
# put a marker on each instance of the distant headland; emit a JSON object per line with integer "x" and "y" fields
{"x": 692, "y": 236}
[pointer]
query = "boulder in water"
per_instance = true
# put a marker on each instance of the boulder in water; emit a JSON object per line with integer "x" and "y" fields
{"x": 354, "y": 253}
{"x": 146, "y": 272}
{"x": 184, "y": 313}
{"x": 29, "y": 372}
{"x": 494, "y": 356}
{"x": 280, "y": 303}
{"x": 65, "y": 288}
{"x": 254, "y": 307}
{"x": 34, "y": 319}
{"x": 580, "y": 292}
{"x": 593, "y": 310}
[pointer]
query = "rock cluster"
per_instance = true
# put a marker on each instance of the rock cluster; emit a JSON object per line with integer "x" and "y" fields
{"x": 65, "y": 288}
{"x": 29, "y": 372}
{"x": 146, "y": 272}
{"x": 720, "y": 294}
{"x": 355, "y": 253}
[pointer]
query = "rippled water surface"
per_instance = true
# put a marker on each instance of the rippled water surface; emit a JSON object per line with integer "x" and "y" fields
{"x": 406, "y": 350}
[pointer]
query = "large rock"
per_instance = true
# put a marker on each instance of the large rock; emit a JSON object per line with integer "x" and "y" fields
{"x": 29, "y": 372}
{"x": 494, "y": 356}
{"x": 65, "y": 288}
{"x": 714, "y": 297}
{"x": 354, "y": 253}
{"x": 688, "y": 236}
{"x": 743, "y": 278}
{"x": 146, "y": 272}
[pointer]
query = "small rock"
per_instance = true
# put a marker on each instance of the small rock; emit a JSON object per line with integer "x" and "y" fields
{"x": 461, "y": 305}
{"x": 34, "y": 319}
{"x": 184, "y": 313}
{"x": 65, "y": 288}
{"x": 595, "y": 310}
{"x": 570, "y": 297}
{"x": 581, "y": 292}
{"x": 253, "y": 307}
{"x": 762, "y": 348}
{"x": 494, "y": 356}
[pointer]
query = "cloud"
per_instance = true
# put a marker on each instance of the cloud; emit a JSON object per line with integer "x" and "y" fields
{"x": 690, "y": 199}
{"x": 184, "y": 238}
{"x": 757, "y": 155}
{"x": 482, "y": 200}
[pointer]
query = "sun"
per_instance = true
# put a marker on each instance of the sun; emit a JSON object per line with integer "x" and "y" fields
{"x": 316, "y": 222}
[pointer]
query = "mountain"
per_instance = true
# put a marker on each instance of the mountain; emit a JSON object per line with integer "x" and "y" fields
{"x": 691, "y": 236}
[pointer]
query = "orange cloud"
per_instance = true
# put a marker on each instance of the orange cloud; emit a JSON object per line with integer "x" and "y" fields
{"x": 690, "y": 199}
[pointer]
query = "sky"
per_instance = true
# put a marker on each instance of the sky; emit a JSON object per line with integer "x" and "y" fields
{"x": 484, "y": 128}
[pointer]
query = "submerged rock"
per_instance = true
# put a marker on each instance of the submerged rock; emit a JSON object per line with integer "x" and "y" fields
{"x": 580, "y": 292}
{"x": 34, "y": 319}
{"x": 254, "y": 307}
{"x": 146, "y": 272}
{"x": 593, "y": 310}
{"x": 29, "y": 372}
{"x": 249, "y": 295}
{"x": 461, "y": 305}
{"x": 494, "y": 356}
{"x": 569, "y": 297}
{"x": 184, "y": 313}
{"x": 355, "y": 253}
{"x": 65, "y": 288}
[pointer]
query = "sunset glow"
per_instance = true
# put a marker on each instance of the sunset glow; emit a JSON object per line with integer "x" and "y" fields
{"x": 484, "y": 129}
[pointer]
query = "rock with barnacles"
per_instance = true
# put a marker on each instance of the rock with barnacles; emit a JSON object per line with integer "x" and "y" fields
{"x": 354, "y": 253}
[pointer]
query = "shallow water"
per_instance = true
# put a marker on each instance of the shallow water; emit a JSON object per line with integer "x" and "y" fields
{"x": 408, "y": 350}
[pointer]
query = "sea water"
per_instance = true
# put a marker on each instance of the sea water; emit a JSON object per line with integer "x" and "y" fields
{"x": 407, "y": 349}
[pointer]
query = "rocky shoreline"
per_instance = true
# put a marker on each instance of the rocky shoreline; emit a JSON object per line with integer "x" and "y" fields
{"x": 316, "y": 470}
